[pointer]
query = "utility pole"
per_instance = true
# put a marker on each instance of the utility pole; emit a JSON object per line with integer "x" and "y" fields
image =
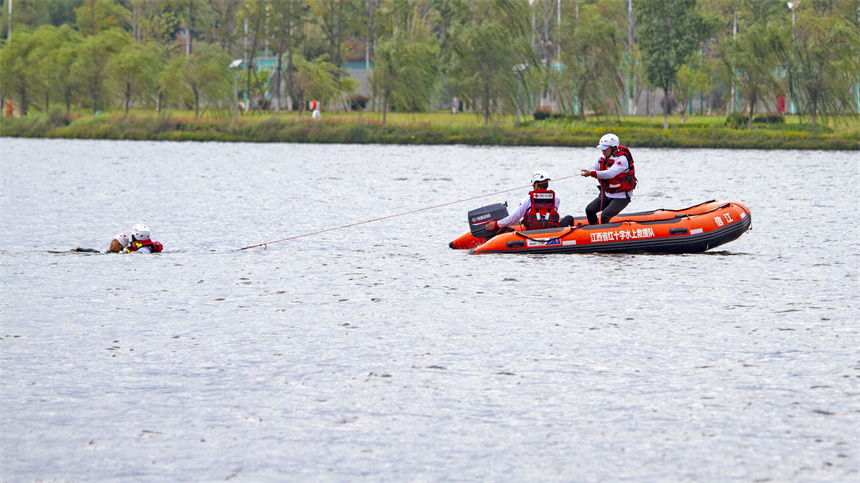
{"x": 629, "y": 56}
{"x": 9, "y": 21}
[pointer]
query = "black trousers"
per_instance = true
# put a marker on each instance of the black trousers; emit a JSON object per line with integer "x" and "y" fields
{"x": 608, "y": 207}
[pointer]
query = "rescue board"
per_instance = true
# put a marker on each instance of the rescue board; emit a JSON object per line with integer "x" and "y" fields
{"x": 690, "y": 230}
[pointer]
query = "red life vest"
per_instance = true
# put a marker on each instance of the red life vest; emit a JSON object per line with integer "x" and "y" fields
{"x": 138, "y": 244}
{"x": 313, "y": 105}
{"x": 542, "y": 213}
{"x": 626, "y": 180}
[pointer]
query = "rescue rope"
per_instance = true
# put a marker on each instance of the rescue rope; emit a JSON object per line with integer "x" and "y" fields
{"x": 266, "y": 244}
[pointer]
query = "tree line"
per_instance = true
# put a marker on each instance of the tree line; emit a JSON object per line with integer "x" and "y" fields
{"x": 575, "y": 57}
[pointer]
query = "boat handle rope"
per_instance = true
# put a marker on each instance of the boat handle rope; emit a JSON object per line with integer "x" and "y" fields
{"x": 265, "y": 245}
{"x": 569, "y": 231}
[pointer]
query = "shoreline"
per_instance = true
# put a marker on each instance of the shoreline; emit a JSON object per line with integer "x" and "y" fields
{"x": 346, "y": 129}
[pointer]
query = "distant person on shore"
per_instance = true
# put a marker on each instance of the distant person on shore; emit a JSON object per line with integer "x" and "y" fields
{"x": 117, "y": 245}
{"x": 315, "y": 110}
{"x": 10, "y": 108}
{"x": 455, "y": 105}
{"x": 538, "y": 210}
{"x": 141, "y": 241}
{"x": 617, "y": 177}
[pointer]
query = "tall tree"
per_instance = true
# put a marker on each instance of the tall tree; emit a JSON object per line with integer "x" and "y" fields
{"x": 487, "y": 52}
{"x": 202, "y": 77}
{"x": 669, "y": 32}
{"x": 405, "y": 72}
{"x": 591, "y": 52}
{"x": 823, "y": 62}
{"x": 56, "y": 65}
{"x": 690, "y": 81}
{"x": 92, "y": 60}
{"x": 18, "y": 67}
{"x": 224, "y": 27}
{"x": 753, "y": 57}
{"x": 287, "y": 16}
{"x": 253, "y": 14}
{"x": 95, "y": 16}
{"x": 133, "y": 71}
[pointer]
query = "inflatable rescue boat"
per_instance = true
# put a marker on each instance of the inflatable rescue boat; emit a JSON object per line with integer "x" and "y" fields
{"x": 690, "y": 230}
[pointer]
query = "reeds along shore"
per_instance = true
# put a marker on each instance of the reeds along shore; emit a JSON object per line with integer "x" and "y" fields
{"x": 438, "y": 128}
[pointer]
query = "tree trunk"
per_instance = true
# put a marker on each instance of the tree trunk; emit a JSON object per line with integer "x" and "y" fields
{"x": 753, "y": 100}
{"x": 250, "y": 63}
{"x": 22, "y": 110}
{"x": 290, "y": 65}
{"x": 384, "y": 106}
{"x": 95, "y": 92}
{"x": 196, "y": 103}
{"x": 665, "y": 109}
{"x": 127, "y": 97}
{"x": 278, "y": 77}
{"x": 47, "y": 102}
{"x": 486, "y": 100}
{"x": 160, "y": 98}
{"x": 337, "y": 61}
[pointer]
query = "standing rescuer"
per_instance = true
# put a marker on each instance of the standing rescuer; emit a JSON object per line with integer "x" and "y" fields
{"x": 617, "y": 177}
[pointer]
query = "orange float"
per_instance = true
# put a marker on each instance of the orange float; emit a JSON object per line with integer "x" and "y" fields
{"x": 690, "y": 230}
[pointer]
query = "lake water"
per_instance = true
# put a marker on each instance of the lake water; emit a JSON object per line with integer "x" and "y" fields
{"x": 377, "y": 353}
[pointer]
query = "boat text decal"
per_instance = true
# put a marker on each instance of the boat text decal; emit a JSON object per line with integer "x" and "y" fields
{"x": 541, "y": 243}
{"x": 621, "y": 235}
{"x": 719, "y": 220}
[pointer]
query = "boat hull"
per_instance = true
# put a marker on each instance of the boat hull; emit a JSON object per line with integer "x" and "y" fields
{"x": 691, "y": 230}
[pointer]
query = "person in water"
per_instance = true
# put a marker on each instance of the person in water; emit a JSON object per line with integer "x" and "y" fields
{"x": 141, "y": 241}
{"x": 117, "y": 245}
{"x": 538, "y": 210}
{"x": 617, "y": 177}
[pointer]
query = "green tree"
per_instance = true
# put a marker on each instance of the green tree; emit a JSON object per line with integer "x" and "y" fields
{"x": 223, "y": 28}
{"x": 18, "y": 67}
{"x": 317, "y": 79}
{"x": 202, "y": 77}
{"x": 488, "y": 50}
{"x": 669, "y": 32}
{"x": 56, "y": 66}
{"x": 95, "y": 16}
{"x": 405, "y": 73}
{"x": 752, "y": 56}
{"x": 690, "y": 81}
{"x": 151, "y": 22}
{"x": 591, "y": 52}
{"x": 823, "y": 63}
{"x": 287, "y": 18}
{"x": 92, "y": 61}
{"x": 134, "y": 72}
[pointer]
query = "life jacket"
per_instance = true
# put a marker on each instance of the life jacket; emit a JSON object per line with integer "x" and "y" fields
{"x": 542, "y": 213}
{"x": 313, "y": 105}
{"x": 626, "y": 180}
{"x": 138, "y": 244}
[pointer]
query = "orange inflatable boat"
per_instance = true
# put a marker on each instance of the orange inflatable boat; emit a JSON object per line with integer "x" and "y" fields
{"x": 691, "y": 230}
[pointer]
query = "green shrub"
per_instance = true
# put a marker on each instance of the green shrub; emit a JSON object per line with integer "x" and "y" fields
{"x": 770, "y": 118}
{"x": 737, "y": 120}
{"x": 542, "y": 113}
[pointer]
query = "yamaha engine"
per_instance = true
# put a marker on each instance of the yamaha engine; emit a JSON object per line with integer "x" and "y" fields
{"x": 478, "y": 219}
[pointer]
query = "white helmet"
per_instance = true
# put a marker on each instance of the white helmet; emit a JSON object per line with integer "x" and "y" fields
{"x": 539, "y": 177}
{"x": 608, "y": 140}
{"x": 122, "y": 238}
{"x": 140, "y": 232}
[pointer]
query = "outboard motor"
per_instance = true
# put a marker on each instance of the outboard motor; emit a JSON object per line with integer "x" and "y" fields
{"x": 478, "y": 219}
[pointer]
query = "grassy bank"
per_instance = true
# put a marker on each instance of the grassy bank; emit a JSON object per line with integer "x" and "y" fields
{"x": 439, "y": 128}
